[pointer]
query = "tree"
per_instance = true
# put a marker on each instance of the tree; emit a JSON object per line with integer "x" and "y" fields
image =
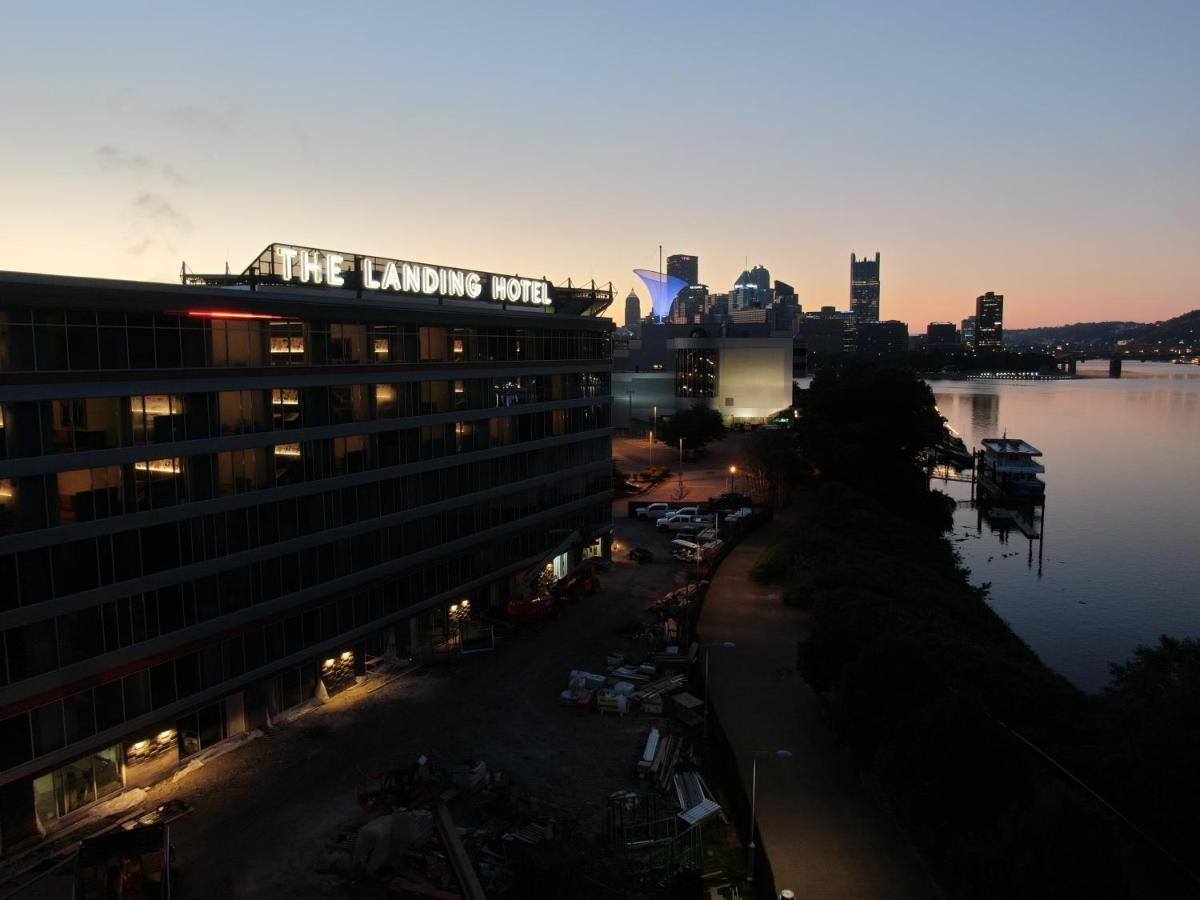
{"x": 771, "y": 465}
{"x": 1155, "y": 698}
{"x": 869, "y": 426}
{"x": 697, "y": 426}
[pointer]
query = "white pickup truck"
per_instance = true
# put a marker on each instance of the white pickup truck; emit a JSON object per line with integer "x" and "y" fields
{"x": 679, "y": 521}
{"x": 653, "y": 511}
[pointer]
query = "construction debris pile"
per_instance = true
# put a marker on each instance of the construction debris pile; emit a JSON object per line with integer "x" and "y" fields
{"x": 436, "y": 830}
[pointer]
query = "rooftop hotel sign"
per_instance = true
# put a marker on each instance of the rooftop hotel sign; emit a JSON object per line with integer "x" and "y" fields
{"x": 308, "y": 266}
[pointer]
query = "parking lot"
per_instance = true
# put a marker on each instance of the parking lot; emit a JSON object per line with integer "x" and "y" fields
{"x": 264, "y": 815}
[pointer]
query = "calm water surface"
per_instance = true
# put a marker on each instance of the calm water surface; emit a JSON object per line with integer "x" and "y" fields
{"x": 1121, "y": 550}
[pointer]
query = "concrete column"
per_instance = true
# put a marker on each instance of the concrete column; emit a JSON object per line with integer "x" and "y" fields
{"x": 414, "y": 636}
{"x": 18, "y": 817}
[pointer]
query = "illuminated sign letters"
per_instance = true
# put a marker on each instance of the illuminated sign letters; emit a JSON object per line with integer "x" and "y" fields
{"x": 321, "y": 267}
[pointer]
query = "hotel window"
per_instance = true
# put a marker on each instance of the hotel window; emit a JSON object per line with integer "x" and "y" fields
{"x": 347, "y": 344}
{"x": 433, "y": 344}
{"x": 347, "y": 403}
{"x": 463, "y": 344}
{"x": 385, "y": 401}
{"x": 286, "y": 411}
{"x": 286, "y": 343}
{"x": 93, "y": 424}
{"x": 289, "y": 464}
{"x": 156, "y": 418}
{"x": 460, "y": 395}
{"x": 435, "y": 397}
{"x": 9, "y": 504}
{"x": 158, "y": 483}
{"x": 349, "y": 454}
{"x": 387, "y": 343}
{"x": 241, "y": 412}
{"x": 87, "y": 494}
{"x": 236, "y": 343}
{"x": 251, "y": 469}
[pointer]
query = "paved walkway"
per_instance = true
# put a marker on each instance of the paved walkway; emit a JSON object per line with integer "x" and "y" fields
{"x": 823, "y": 834}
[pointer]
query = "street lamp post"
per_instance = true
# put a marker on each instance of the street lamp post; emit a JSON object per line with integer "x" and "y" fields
{"x": 725, "y": 645}
{"x": 732, "y": 475}
{"x": 650, "y": 464}
{"x": 781, "y": 754}
{"x": 681, "y": 468}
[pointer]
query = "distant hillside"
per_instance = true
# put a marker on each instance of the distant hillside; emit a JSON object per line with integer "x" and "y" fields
{"x": 1181, "y": 330}
{"x": 1081, "y": 334}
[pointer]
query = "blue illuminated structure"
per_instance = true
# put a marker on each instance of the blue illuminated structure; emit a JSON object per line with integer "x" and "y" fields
{"x": 662, "y": 288}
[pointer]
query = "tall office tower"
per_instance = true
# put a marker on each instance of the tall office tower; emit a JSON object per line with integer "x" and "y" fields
{"x": 989, "y": 321}
{"x": 689, "y": 304}
{"x": 941, "y": 336}
{"x": 633, "y": 309}
{"x": 686, "y": 267}
{"x": 968, "y": 333}
{"x": 217, "y": 503}
{"x": 758, "y": 276}
{"x": 864, "y": 288}
{"x": 785, "y": 293}
{"x": 752, "y": 290}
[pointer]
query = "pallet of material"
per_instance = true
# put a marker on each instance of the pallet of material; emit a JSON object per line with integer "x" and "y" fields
{"x": 677, "y": 659}
{"x": 663, "y": 687}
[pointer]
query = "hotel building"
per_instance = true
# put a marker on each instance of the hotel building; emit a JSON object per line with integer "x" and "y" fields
{"x": 222, "y": 498}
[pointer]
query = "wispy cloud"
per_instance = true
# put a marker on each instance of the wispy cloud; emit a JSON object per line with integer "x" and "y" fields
{"x": 157, "y": 211}
{"x": 197, "y": 116}
{"x": 140, "y": 247}
{"x": 115, "y": 159}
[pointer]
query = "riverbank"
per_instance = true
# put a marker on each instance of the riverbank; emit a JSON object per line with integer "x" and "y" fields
{"x": 823, "y": 834}
{"x": 938, "y": 705}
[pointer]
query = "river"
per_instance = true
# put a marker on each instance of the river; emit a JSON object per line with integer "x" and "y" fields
{"x": 1120, "y": 556}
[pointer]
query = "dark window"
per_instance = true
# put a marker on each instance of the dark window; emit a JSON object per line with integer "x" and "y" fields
{"x": 110, "y": 710}
{"x": 47, "y": 724}
{"x": 162, "y": 684}
{"x": 77, "y": 710}
{"x": 15, "y": 746}
{"x": 32, "y": 649}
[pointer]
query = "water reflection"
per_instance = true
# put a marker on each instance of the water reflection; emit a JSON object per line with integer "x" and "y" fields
{"x": 1121, "y": 564}
{"x": 985, "y": 414}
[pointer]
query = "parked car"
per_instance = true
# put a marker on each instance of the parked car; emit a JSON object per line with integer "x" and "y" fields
{"x": 738, "y": 514}
{"x": 679, "y": 522}
{"x": 653, "y": 511}
{"x": 685, "y": 511}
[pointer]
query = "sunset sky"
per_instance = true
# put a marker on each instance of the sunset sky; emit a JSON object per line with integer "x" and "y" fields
{"x": 1045, "y": 151}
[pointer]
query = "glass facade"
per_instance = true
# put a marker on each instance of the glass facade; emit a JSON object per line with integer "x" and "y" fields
{"x": 696, "y": 372}
{"x": 193, "y": 501}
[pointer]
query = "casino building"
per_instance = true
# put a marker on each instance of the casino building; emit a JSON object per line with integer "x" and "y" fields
{"x": 222, "y": 498}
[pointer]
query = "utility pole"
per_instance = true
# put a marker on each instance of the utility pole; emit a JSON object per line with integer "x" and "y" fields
{"x": 681, "y": 468}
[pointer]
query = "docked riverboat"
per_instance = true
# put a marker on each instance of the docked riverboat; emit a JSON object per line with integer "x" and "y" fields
{"x": 1008, "y": 468}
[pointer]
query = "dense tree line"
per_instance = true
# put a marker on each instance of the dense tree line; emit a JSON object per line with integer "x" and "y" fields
{"x": 941, "y": 704}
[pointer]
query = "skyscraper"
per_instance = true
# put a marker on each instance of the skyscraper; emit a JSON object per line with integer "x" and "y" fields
{"x": 864, "y": 288}
{"x": 752, "y": 290}
{"x": 968, "y": 333}
{"x": 633, "y": 309}
{"x": 684, "y": 267}
{"x": 989, "y": 321}
{"x": 941, "y": 336}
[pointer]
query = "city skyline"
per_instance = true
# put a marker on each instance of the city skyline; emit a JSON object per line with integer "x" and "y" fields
{"x": 1060, "y": 176}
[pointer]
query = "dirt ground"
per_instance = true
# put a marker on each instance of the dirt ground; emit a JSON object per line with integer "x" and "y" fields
{"x": 706, "y": 477}
{"x": 264, "y": 814}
